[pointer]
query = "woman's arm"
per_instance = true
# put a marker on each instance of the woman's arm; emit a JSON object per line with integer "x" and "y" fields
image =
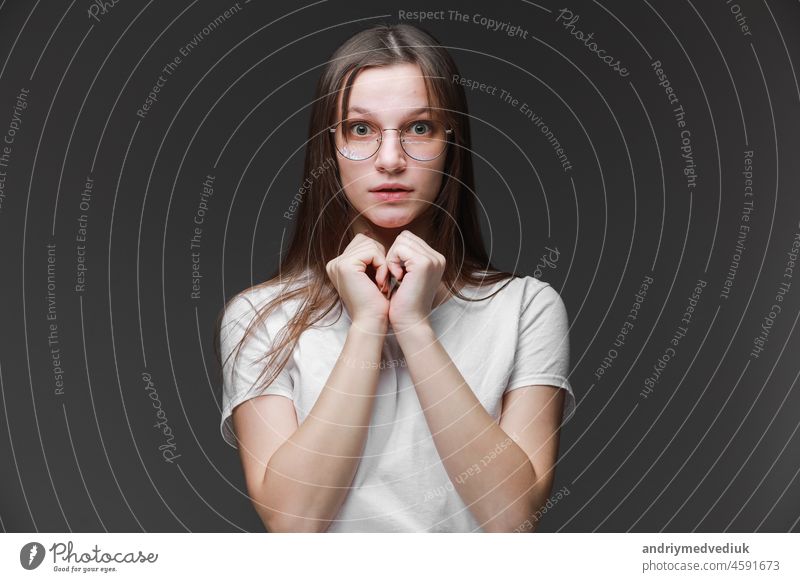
{"x": 307, "y": 477}
{"x": 502, "y": 479}
{"x": 490, "y": 470}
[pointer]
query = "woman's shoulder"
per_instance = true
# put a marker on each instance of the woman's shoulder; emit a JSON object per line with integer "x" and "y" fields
{"x": 539, "y": 299}
{"x": 253, "y": 299}
{"x": 523, "y": 294}
{"x": 533, "y": 286}
{"x": 514, "y": 285}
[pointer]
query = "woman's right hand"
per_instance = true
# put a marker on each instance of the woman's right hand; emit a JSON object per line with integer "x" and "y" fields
{"x": 364, "y": 300}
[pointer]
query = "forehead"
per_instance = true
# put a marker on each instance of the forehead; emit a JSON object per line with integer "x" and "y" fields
{"x": 388, "y": 91}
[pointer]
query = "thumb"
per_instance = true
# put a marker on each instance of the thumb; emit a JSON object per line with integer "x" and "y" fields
{"x": 381, "y": 275}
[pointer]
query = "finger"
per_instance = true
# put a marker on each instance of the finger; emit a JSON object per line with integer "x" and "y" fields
{"x": 400, "y": 257}
{"x": 396, "y": 269}
{"x": 381, "y": 275}
{"x": 361, "y": 256}
{"x": 396, "y": 264}
{"x": 412, "y": 239}
{"x": 414, "y": 244}
{"x": 378, "y": 261}
{"x": 418, "y": 250}
{"x": 417, "y": 244}
{"x": 360, "y": 242}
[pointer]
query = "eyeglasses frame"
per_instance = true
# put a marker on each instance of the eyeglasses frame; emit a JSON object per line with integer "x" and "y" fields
{"x": 447, "y": 132}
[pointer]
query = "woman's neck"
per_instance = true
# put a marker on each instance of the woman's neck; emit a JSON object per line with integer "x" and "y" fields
{"x": 386, "y": 236}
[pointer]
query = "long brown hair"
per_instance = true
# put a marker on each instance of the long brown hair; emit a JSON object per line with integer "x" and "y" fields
{"x": 323, "y": 225}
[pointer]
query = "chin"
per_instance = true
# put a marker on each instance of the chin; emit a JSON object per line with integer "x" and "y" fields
{"x": 391, "y": 218}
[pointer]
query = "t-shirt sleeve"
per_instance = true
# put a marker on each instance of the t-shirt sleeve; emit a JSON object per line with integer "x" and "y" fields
{"x": 542, "y": 354}
{"x": 241, "y": 370}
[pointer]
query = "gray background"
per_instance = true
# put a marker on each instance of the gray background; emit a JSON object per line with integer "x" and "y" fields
{"x": 713, "y": 448}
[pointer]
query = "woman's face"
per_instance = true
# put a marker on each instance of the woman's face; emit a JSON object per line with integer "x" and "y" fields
{"x": 389, "y": 96}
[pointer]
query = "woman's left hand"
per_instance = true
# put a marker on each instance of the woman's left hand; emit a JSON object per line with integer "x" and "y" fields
{"x": 419, "y": 268}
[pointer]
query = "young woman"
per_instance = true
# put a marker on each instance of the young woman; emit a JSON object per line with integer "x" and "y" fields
{"x": 388, "y": 378}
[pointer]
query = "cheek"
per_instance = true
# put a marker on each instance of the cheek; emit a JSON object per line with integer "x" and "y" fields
{"x": 350, "y": 180}
{"x": 433, "y": 181}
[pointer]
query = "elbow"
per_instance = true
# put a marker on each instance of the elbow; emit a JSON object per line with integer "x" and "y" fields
{"x": 281, "y": 514}
{"x": 526, "y": 524}
{"x": 515, "y": 524}
{"x": 283, "y": 520}
{"x": 521, "y": 517}
{"x": 515, "y": 519}
{"x": 294, "y": 524}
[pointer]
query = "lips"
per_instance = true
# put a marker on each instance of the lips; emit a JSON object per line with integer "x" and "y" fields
{"x": 389, "y": 195}
{"x": 391, "y": 191}
{"x": 391, "y": 187}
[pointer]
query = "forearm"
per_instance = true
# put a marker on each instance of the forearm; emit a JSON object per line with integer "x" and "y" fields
{"x": 491, "y": 473}
{"x": 307, "y": 478}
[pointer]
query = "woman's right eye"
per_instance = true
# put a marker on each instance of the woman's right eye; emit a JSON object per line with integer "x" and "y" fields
{"x": 360, "y": 129}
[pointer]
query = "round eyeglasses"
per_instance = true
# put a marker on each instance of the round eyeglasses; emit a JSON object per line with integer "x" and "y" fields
{"x": 423, "y": 139}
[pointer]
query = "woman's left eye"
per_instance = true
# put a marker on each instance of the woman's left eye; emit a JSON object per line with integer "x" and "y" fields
{"x": 420, "y": 127}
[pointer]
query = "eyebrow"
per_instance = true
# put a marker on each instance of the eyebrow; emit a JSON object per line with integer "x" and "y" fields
{"x": 367, "y": 112}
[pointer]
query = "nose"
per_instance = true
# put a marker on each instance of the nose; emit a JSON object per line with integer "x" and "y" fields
{"x": 390, "y": 156}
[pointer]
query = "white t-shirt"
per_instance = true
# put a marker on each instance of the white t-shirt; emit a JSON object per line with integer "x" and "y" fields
{"x": 517, "y": 338}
